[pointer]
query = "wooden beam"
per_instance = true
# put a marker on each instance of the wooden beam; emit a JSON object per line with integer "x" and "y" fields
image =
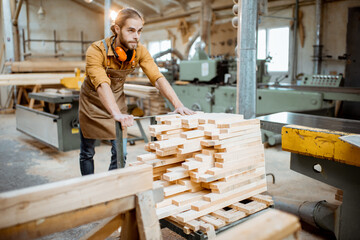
{"x": 21, "y": 206}
{"x": 61, "y": 222}
{"x": 49, "y": 66}
{"x": 148, "y": 224}
{"x": 32, "y": 78}
{"x": 274, "y": 225}
{"x": 104, "y": 229}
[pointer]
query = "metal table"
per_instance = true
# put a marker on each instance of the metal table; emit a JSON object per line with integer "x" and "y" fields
{"x": 318, "y": 152}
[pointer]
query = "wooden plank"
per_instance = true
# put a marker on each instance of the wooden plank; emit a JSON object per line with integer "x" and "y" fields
{"x": 266, "y": 199}
{"x": 210, "y": 177}
{"x": 32, "y": 78}
{"x": 233, "y": 165}
{"x": 254, "y": 129}
{"x": 129, "y": 229}
{"x": 216, "y": 222}
{"x": 214, "y": 197}
{"x": 48, "y": 225}
{"x": 223, "y": 187}
{"x": 192, "y": 134}
{"x": 170, "y": 210}
{"x": 249, "y": 208}
{"x": 104, "y": 229}
{"x": 172, "y": 176}
{"x": 275, "y": 225}
{"x": 47, "y": 66}
{"x": 46, "y": 200}
{"x": 189, "y": 197}
{"x": 148, "y": 224}
{"x": 236, "y": 161}
{"x": 174, "y": 189}
{"x": 193, "y": 214}
{"x": 228, "y": 216}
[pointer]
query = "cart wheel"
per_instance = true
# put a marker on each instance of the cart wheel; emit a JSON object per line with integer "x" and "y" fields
{"x": 132, "y": 143}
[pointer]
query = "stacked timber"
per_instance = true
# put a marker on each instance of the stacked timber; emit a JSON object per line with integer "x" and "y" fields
{"x": 153, "y": 102}
{"x": 206, "y": 162}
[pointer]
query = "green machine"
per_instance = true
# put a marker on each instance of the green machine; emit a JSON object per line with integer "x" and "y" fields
{"x": 209, "y": 85}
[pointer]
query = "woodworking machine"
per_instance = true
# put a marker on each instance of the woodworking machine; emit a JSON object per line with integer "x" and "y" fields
{"x": 58, "y": 124}
{"x": 209, "y": 85}
{"x": 318, "y": 150}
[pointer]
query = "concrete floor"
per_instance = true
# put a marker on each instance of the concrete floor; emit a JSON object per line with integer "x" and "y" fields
{"x": 26, "y": 162}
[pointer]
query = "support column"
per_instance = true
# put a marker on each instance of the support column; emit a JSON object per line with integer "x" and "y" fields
{"x": 246, "y": 76}
{"x": 107, "y": 19}
{"x": 8, "y": 31}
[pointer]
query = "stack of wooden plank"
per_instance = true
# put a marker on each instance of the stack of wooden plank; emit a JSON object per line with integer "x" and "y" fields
{"x": 153, "y": 102}
{"x": 206, "y": 162}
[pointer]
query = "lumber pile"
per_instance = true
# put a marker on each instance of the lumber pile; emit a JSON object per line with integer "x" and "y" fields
{"x": 206, "y": 162}
{"x": 153, "y": 102}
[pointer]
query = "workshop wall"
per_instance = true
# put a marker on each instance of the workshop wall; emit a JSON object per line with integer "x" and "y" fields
{"x": 334, "y": 27}
{"x": 68, "y": 18}
{"x": 333, "y": 39}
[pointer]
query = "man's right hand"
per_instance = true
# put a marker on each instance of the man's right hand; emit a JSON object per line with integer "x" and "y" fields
{"x": 124, "y": 119}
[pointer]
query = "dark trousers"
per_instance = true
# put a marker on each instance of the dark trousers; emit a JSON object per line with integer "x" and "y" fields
{"x": 87, "y": 152}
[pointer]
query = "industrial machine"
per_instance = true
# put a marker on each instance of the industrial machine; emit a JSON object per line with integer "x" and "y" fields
{"x": 320, "y": 150}
{"x": 58, "y": 124}
{"x": 209, "y": 85}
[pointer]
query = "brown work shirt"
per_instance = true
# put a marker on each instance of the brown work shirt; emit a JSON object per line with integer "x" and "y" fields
{"x": 96, "y": 63}
{"x": 95, "y": 121}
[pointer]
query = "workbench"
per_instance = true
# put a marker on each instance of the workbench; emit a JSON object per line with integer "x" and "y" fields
{"x": 318, "y": 152}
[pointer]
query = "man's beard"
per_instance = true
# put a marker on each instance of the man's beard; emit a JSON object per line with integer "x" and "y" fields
{"x": 128, "y": 45}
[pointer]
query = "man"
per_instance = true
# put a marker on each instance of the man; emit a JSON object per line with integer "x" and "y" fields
{"x": 102, "y": 98}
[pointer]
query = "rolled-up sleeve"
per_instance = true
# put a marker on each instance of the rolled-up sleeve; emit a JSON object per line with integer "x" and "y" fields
{"x": 94, "y": 66}
{"x": 149, "y": 67}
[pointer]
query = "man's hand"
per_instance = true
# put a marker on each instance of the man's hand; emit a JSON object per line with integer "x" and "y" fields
{"x": 124, "y": 119}
{"x": 184, "y": 111}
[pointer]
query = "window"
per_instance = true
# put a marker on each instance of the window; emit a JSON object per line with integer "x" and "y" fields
{"x": 274, "y": 42}
{"x": 160, "y": 46}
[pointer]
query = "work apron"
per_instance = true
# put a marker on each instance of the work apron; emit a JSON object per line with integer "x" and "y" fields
{"x": 95, "y": 121}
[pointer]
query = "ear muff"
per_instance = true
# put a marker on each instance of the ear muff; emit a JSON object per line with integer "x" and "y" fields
{"x": 121, "y": 55}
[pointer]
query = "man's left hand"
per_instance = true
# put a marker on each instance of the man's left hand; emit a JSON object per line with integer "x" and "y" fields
{"x": 184, "y": 111}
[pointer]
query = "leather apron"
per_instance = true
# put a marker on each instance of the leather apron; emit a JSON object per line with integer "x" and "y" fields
{"x": 95, "y": 121}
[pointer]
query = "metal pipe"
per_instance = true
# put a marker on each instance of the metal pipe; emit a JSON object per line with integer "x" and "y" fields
{"x": 294, "y": 45}
{"x": 318, "y": 214}
{"x": 190, "y": 43}
{"x": 318, "y": 46}
{"x": 17, "y": 12}
{"x": 170, "y": 50}
{"x": 27, "y": 23}
{"x": 187, "y": 14}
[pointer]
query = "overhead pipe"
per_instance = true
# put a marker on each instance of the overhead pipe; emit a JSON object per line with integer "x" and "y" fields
{"x": 318, "y": 46}
{"x": 170, "y": 50}
{"x": 187, "y": 14}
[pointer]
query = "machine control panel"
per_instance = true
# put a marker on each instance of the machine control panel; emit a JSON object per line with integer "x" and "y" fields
{"x": 322, "y": 80}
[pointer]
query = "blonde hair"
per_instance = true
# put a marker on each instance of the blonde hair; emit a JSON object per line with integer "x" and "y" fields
{"x": 125, "y": 14}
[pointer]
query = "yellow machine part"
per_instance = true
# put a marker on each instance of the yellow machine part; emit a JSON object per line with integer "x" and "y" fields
{"x": 320, "y": 143}
{"x": 73, "y": 82}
